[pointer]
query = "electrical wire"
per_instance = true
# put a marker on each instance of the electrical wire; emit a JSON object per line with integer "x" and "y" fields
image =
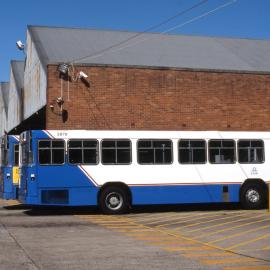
{"x": 141, "y": 33}
{"x": 176, "y": 27}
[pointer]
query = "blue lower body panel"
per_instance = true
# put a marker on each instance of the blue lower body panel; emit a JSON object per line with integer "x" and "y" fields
{"x": 63, "y": 197}
{"x": 8, "y": 195}
{"x": 184, "y": 194}
{"x": 11, "y": 195}
{"x": 141, "y": 195}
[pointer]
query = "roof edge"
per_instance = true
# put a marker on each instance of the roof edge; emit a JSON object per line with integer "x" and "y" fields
{"x": 144, "y": 32}
{"x": 169, "y": 68}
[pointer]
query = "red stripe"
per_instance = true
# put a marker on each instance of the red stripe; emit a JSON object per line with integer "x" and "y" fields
{"x": 185, "y": 184}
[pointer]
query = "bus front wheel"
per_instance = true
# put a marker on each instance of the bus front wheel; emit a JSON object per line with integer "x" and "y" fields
{"x": 253, "y": 196}
{"x": 113, "y": 200}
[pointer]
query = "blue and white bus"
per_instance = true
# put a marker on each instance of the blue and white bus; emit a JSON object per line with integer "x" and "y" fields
{"x": 118, "y": 169}
{"x": 9, "y": 179}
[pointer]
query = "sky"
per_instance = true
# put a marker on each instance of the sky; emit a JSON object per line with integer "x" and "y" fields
{"x": 239, "y": 19}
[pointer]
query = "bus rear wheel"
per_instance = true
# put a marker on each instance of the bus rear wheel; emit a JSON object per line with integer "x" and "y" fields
{"x": 253, "y": 196}
{"x": 113, "y": 200}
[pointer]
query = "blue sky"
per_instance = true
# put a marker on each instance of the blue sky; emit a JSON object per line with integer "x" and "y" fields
{"x": 243, "y": 18}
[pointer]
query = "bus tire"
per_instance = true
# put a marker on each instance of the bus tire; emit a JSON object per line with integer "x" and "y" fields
{"x": 113, "y": 200}
{"x": 253, "y": 196}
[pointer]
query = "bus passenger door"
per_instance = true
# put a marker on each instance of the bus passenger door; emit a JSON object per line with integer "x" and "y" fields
{"x": 28, "y": 190}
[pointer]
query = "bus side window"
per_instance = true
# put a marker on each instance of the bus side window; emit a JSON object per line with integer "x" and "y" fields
{"x": 192, "y": 151}
{"x": 51, "y": 152}
{"x": 116, "y": 151}
{"x": 16, "y": 155}
{"x": 221, "y": 151}
{"x": 250, "y": 151}
{"x": 155, "y": 151}
{"x": 83, "y": 151}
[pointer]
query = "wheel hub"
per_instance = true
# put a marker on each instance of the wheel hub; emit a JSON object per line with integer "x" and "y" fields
{"x": 253, "y": 195}
{"x": 114, "y": 201}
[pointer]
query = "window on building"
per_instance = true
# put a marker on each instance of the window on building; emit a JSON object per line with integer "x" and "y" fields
{"x": 221, "y": 151}
{"x": 116, "y": 151}
{"x": 250, "y": 151}
{"x": 192, "y": 151}
{"x": 51, "y": 152}
{"x": 155, "y": 151}
{"x": 83, "y": 151}
{"x": 16, "y": 155}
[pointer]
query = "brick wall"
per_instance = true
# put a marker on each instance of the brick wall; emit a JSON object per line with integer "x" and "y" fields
{"x": 165, "y": 99}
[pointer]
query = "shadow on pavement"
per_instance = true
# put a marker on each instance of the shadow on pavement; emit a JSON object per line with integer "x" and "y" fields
{"x": 88, "y": 210}
{"x": 16, "y": 207}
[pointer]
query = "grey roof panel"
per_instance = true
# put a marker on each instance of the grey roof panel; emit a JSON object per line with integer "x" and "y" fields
{"x": 18, "y": 71}
{"x": 56, "y": 45}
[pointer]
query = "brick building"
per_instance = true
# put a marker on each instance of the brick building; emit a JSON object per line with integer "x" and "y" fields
{"x": 151, "y": 82}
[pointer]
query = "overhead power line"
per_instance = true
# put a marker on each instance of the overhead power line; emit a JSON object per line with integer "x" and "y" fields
{"x": 177, "y": 26}
{"x": 141, "y": 33}
{"x": 200, "y": 16}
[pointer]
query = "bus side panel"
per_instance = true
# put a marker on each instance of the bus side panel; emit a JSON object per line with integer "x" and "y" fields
{"x": 234, "y": 191}
{"x": 68, "y": 196}
{"x": 64, "y": 197}
{"x": 60, "y": 185}
{"x": 10, "y": 189}
{"x": 182, "y": 194}
{"x": 7, "y": 183}
{"x": 83, "y": 196}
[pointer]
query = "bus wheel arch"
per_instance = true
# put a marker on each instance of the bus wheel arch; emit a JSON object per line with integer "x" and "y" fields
{"x": 114, "y": 198}
{"x": 253, "y": 194}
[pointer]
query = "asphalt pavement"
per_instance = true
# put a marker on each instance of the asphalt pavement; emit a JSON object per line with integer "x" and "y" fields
{"x": 82, "y": 238}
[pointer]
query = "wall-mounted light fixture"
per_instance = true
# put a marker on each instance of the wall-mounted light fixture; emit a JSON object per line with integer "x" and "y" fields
{"x": 20, "y": 45}
{"x": 82, "y": 75}
{"x": 63, "y": 68}
{"x": 60, "y": 101}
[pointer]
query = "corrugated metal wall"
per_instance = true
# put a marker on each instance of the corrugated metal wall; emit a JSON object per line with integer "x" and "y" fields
{"x": 35, "y": 81}
{"x": 15, "y": 96}
{"x": 4, "y": 95}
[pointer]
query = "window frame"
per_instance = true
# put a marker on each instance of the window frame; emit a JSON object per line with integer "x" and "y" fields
{"x": 82, "y": 148}
{"x": 192, "y": 163}
{"x": 5, "y": 155}
{"x": 51, "y": 140}
{"x": 14, "y": 154}
{"x": 263, "y": 148}
{"x": 222, "y": 163}
{"x": 115, "y": 140}
{"x": 152, "y": 140}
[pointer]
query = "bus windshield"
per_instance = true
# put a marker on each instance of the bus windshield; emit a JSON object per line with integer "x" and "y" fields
{"x": 26, "y": 153}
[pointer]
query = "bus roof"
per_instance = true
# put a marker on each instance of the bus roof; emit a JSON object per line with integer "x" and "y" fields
{"x": 134, "y": 134}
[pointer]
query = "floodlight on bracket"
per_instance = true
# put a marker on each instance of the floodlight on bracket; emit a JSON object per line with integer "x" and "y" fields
{"x": 20, "y": 46}
{"x": 83, "y": 75}
{"x": 60, "y": 101}
{"x": 63, "y": 68}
